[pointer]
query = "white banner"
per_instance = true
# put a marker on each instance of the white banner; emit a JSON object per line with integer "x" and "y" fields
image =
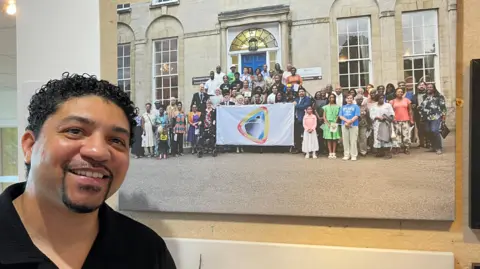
{"x": 255, "y": 125}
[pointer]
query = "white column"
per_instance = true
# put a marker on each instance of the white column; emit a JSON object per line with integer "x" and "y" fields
{"x": 224, "y": 50}
{"x": 53, "y": 36}
{"x": 285, "y": 44}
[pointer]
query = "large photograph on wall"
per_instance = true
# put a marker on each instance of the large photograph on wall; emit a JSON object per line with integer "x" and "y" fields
{"x": 358, "y": 122}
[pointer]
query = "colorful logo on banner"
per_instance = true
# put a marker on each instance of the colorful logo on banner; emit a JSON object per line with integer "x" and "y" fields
{"x": 255, "y": 125}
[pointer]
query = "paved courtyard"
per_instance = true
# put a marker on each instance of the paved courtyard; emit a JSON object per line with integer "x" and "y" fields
{"x": 418, "y": 186}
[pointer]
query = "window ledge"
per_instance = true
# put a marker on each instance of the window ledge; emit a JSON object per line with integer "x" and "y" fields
{"x": 158, "y": 5}
{"x": 124, "y": 10}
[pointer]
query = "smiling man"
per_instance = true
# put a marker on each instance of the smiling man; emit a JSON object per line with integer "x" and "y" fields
{"x": 76, "y": 152}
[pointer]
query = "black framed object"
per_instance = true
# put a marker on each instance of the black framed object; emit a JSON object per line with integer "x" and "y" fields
{"x": 474, "y": 174}
{"x": 476, "y": 266}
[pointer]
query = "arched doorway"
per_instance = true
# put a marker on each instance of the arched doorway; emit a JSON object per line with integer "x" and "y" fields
{"x": 254, "y": 47}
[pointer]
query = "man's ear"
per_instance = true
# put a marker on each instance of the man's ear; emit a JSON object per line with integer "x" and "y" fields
{"x": 28, "y": 140}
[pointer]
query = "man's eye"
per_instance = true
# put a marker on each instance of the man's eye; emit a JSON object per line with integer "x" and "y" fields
{"x": 74, "y": 131}
{"x": 118, "y": 141}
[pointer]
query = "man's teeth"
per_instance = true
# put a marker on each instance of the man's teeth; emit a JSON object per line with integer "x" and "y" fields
{"x": 88, "y": 174}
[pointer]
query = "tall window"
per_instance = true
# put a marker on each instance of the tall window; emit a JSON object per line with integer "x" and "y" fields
{"x": 123, "y": 67}
{"x": 420, "y": 47}
{"x": 165, "y": 69}
{"x": 354, "y": 59}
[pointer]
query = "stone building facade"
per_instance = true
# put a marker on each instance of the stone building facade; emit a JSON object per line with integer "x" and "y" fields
{"x": 164, "y": 44}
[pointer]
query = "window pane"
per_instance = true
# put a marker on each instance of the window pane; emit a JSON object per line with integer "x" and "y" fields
{"x": 158, "y": 70}
{"x": 430, "y": 32}
{"x": 158, "y": 83}
{"x": 407, "y": 34}
{"x": 158, "y": 58}
{"x": 126, "y": 73}
{"x": 120, "y": 73}
{"x": 174, "y": 92}
{"x": 174, "y": 81}
{"x": 173, "y": 68}
{"x": 126, "y": 62}
{"x": 127, "y": 85}
{"x": 166, "y": 93}
{"x": 121, "y": 84}
{"x": 119, "y": 62}
{"x": 363, "y": 38}
{"x": 165, "y": 57}
{"x": 364, "y": 80}
{"x": 343, "y": 68}
{"x": 173, "y": 44}
{"x": 418, "y": 63}
{"x": 354, "y": 80}
{"x": 353, "y": 67}
{"x": 417, "y": 19}
{"x": 353, "y": 51}
{"x": 165, "y": 69}
{"x": 352, "y": 26}
{"x": 407, "y": 48}
{"x": 363, "y": 24}
{"x": 342, "y": 40}
{"x": 417, "y": 33}
{"x": 166, "y": 82}
{"x": 158, "y": 94}
{"x": 407, "y": 64}
{"x": 173, "y": 56}
{"x": 344, "y": 81}
{"x": 126, "y": 50}
{"x": 430, "y": 18}
{"x": 429, "y": 46}
{"x": 119, "y": 51}
{"x": 408, "y": 76}
{"x": 418, "y": 47}
{"x": 165, "y": 45}
{"x": 364, "y": 66}
{"x": 364, "y": 52}
{"x": 341, "y": 26}
{"x": 343, "y": 53}
{"x": 158, "y": 46}
{"x": 418, "y": 74}
{"x": 352, "y": 39}
{"x": 406, "y": 20}
{"x": 429, "y": 61}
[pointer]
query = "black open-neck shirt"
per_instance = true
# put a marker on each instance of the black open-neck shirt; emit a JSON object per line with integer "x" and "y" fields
{"x": 121, "y": 242}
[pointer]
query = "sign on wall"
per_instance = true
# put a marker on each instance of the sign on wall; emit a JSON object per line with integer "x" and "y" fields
{"x": 255, "y": 125}
{"x": 312, "y": 73}
{"x": 199, "y": 80}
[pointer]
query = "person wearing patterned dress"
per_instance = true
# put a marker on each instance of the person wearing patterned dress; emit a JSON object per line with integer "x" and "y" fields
{"x": 179, "y": 130}
{"x": 433, "y": 111}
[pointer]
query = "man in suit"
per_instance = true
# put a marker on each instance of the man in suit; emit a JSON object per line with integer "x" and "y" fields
{"x": 301, "y": 103}
{"x": 200, "y": 99}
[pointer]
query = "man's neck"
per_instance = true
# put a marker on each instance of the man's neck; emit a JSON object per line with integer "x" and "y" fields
{"x": 53, "y": 224}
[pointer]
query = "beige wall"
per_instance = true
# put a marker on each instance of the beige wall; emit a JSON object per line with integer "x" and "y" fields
{"x": 411, "y": 235}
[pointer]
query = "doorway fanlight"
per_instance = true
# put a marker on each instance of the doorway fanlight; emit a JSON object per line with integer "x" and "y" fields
{"x": 253, "y": 39}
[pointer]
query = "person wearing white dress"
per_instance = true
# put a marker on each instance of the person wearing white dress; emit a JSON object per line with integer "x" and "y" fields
{"x": 148, "y": 137}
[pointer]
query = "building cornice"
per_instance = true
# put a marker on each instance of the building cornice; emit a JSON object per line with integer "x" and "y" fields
{"x": 311, "y": 21}
{"x": 452, "y": 7}
{"x": 201, "y": 33}
{"x": 252, "y": 12}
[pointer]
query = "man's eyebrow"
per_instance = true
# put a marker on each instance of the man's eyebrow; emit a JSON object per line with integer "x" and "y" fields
{"x": 88, "y": 121}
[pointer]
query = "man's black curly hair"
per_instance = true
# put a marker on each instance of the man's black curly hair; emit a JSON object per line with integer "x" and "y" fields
{"x": 50, "y": 96}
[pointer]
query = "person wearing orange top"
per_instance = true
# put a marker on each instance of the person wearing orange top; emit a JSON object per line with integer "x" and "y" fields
{"x": 310, "y": 140}
{"x": 294, "y": 78}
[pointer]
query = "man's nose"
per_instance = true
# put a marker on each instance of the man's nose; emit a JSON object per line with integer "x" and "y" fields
{"x": 96, "y": 148}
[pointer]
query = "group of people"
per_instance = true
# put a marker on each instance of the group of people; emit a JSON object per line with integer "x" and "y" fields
{"x": 384, "y": 120}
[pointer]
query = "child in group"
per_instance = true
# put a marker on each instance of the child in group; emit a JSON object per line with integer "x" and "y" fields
{"x": 331, "y": 132}
{"x": 162, "y": 143}
{"x": 310, "y": 140}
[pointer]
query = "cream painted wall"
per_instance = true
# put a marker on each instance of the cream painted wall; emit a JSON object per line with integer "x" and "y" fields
{"x": 8, "y": 71}
{"x": 411, "y": 235}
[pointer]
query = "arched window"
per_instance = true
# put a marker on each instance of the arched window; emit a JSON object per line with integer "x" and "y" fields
{"x": 253, "y": 39}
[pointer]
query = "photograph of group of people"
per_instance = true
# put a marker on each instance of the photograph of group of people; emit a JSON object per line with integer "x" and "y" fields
{"x": 382, "y": 120}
